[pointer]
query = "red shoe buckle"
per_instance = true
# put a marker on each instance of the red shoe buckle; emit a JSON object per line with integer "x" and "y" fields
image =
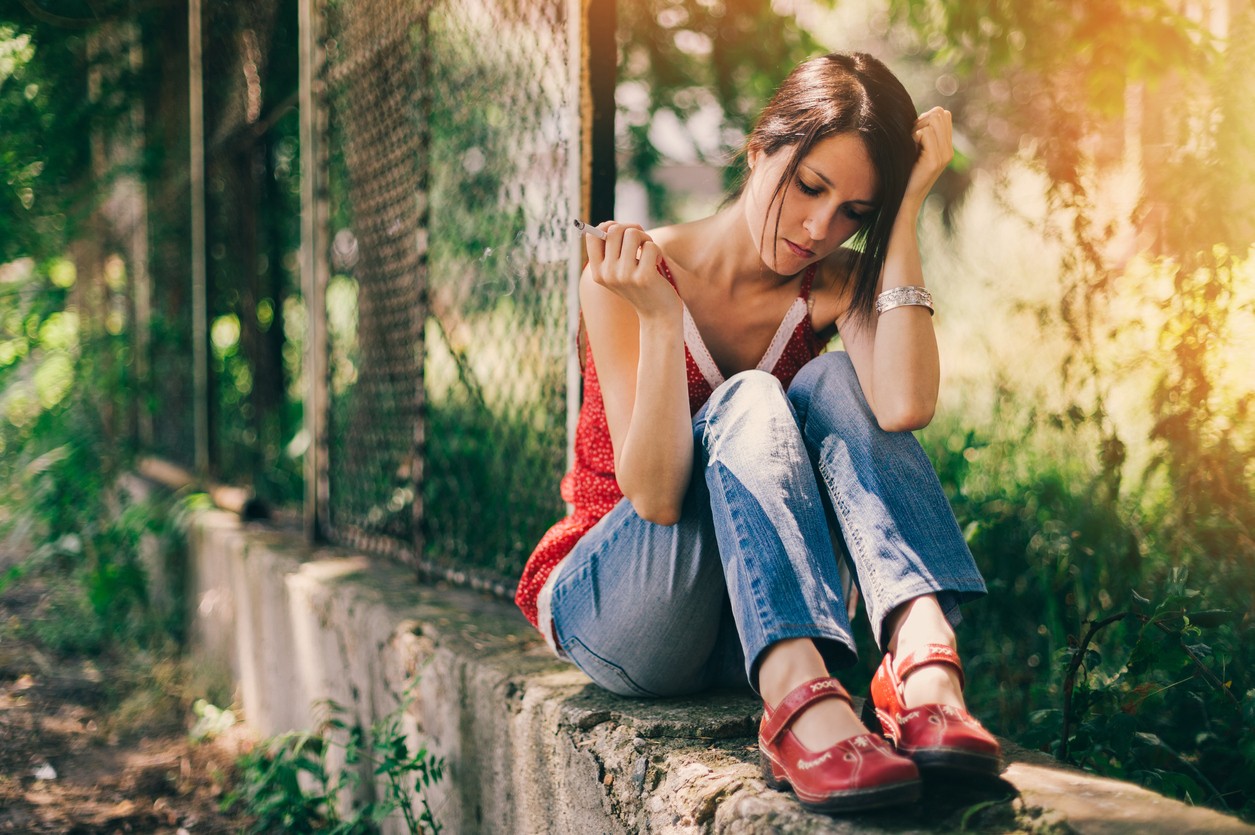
{"x": 862, "y": 772}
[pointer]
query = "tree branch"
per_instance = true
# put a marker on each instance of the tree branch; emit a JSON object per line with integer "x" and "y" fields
{"x": 1069, "y": 681}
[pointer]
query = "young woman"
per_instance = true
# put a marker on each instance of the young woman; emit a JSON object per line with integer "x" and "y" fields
{"x": 724, "y": 467}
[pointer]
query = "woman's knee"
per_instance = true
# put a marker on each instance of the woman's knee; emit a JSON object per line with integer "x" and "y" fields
{"x": 750, "y": 405}
{"x": 747, "y": 389}
{"x": 828, "y": 388}
{"x": 830, "y": 371}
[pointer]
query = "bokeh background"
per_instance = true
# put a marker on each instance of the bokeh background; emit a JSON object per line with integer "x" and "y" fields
{"x": 1090, "y": 250}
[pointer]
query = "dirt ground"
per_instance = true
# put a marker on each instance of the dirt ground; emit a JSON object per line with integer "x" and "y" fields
{"x": 100, "y": 744}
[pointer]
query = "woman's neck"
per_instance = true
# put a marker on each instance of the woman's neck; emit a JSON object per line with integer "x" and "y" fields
{"x": 719, "y": 249}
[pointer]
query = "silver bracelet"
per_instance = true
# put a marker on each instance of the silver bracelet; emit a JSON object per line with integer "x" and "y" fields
{"x": 902, "y": 296}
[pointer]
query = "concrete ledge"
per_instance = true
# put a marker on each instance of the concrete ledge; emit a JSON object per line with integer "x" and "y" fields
{"x": 530, "y": 744}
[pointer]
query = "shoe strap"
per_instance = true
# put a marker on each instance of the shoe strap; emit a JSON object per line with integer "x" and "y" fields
{"x": 799, "y": 698}
{"x": 930, "y": 654}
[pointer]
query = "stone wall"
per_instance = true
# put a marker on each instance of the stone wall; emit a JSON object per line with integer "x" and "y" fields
{"x": 531, "y": 745}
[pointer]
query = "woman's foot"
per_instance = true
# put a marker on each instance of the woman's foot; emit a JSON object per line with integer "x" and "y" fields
{"x": 943, "y": 739}
{"x": 786, "y": 666}
{"x": 917, "y": 694}
{"x": 810, "y": 741}
{"x": 917, "y": 624}
{"x": 858, "y": 773}
{"x": 932, "y": 684}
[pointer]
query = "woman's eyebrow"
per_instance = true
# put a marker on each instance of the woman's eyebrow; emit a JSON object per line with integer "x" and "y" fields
{"x": 820, "y": 175}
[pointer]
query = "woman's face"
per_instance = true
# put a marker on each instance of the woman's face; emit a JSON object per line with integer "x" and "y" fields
{"x": 827, "y": 201}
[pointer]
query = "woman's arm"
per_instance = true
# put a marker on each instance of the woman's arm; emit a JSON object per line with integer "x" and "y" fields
{"x": 895, "y": 354}
{"x": 635, "y": 325}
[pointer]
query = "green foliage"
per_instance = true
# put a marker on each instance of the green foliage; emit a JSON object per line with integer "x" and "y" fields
{"x": 1205, "y": 437}
{"x": 1065, "y": 655}
{"x": 685, "y": 56}
{"x": 89, "y": 533}
{"x": 69, "y": 625}
{"x": 63, "y": 386}
{"x": 289, "y": 783}
{"x": 486, "y": 453}
{"x": 1049, "y": 546}
{"x": 252, "y": 238}
{"x": 1152, "y": 702}
{"x": 48, "y": 189}
{"x": 474, "y": 159}
{"x": 69, "y": 93}
{"x": 1111, "y": 41}
{"x": 35, "y": 170}
{"x": 1065, "y": 537}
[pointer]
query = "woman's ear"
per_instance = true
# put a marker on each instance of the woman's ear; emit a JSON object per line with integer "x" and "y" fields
{"x": 752, "y": 154}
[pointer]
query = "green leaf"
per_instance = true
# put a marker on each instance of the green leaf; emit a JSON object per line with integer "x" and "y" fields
{"x": 1210, "y": 618}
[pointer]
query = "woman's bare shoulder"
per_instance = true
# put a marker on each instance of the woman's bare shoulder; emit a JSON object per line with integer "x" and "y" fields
{"x": 677, "y": 236}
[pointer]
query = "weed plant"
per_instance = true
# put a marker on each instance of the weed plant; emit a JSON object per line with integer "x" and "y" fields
{"x": 291, "y": 783}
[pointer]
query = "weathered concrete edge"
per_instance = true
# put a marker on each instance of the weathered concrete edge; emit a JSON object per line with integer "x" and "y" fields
{"x": 531, "y": 746}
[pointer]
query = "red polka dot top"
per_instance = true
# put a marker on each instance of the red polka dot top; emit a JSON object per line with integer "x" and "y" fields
{"x": 591, "y": 487}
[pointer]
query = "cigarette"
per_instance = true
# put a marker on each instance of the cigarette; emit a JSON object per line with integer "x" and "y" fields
{"x": 588, "y": 229}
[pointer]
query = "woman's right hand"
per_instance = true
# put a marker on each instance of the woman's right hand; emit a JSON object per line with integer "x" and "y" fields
{"x": 627, "y": 264}
{"x": 634, "y": 320}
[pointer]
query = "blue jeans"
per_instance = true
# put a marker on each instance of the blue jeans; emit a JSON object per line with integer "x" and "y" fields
{"x": 654, "y": 610}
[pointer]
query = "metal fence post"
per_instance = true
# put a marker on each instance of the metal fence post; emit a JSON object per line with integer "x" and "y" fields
{"x": 422, "y": 243}
{"x": 601, "y": 55}
{"x": 577, "y": 72}
{"x": 200, "y": 299}
{"x": 315, "y": 269}
{"x": 594, "y": 68}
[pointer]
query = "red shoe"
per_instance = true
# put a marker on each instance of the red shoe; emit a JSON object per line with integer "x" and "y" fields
{"x": 941, "y": 739}
{"x": 858, "y": 773}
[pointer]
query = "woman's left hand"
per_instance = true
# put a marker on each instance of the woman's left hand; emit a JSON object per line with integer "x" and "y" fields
{"x": 934, "y": 137}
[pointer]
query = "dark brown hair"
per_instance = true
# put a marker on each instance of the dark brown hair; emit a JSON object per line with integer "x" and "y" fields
{"x": 846, "y": 93}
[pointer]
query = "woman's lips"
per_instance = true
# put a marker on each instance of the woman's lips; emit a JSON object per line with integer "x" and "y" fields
{"x": 799, "y": 251}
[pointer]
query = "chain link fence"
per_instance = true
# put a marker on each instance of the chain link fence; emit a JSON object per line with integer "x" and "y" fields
{"x": 502, "y": 135}
{"x": 451, "y": 132}
{"x": 375, "y": 300}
